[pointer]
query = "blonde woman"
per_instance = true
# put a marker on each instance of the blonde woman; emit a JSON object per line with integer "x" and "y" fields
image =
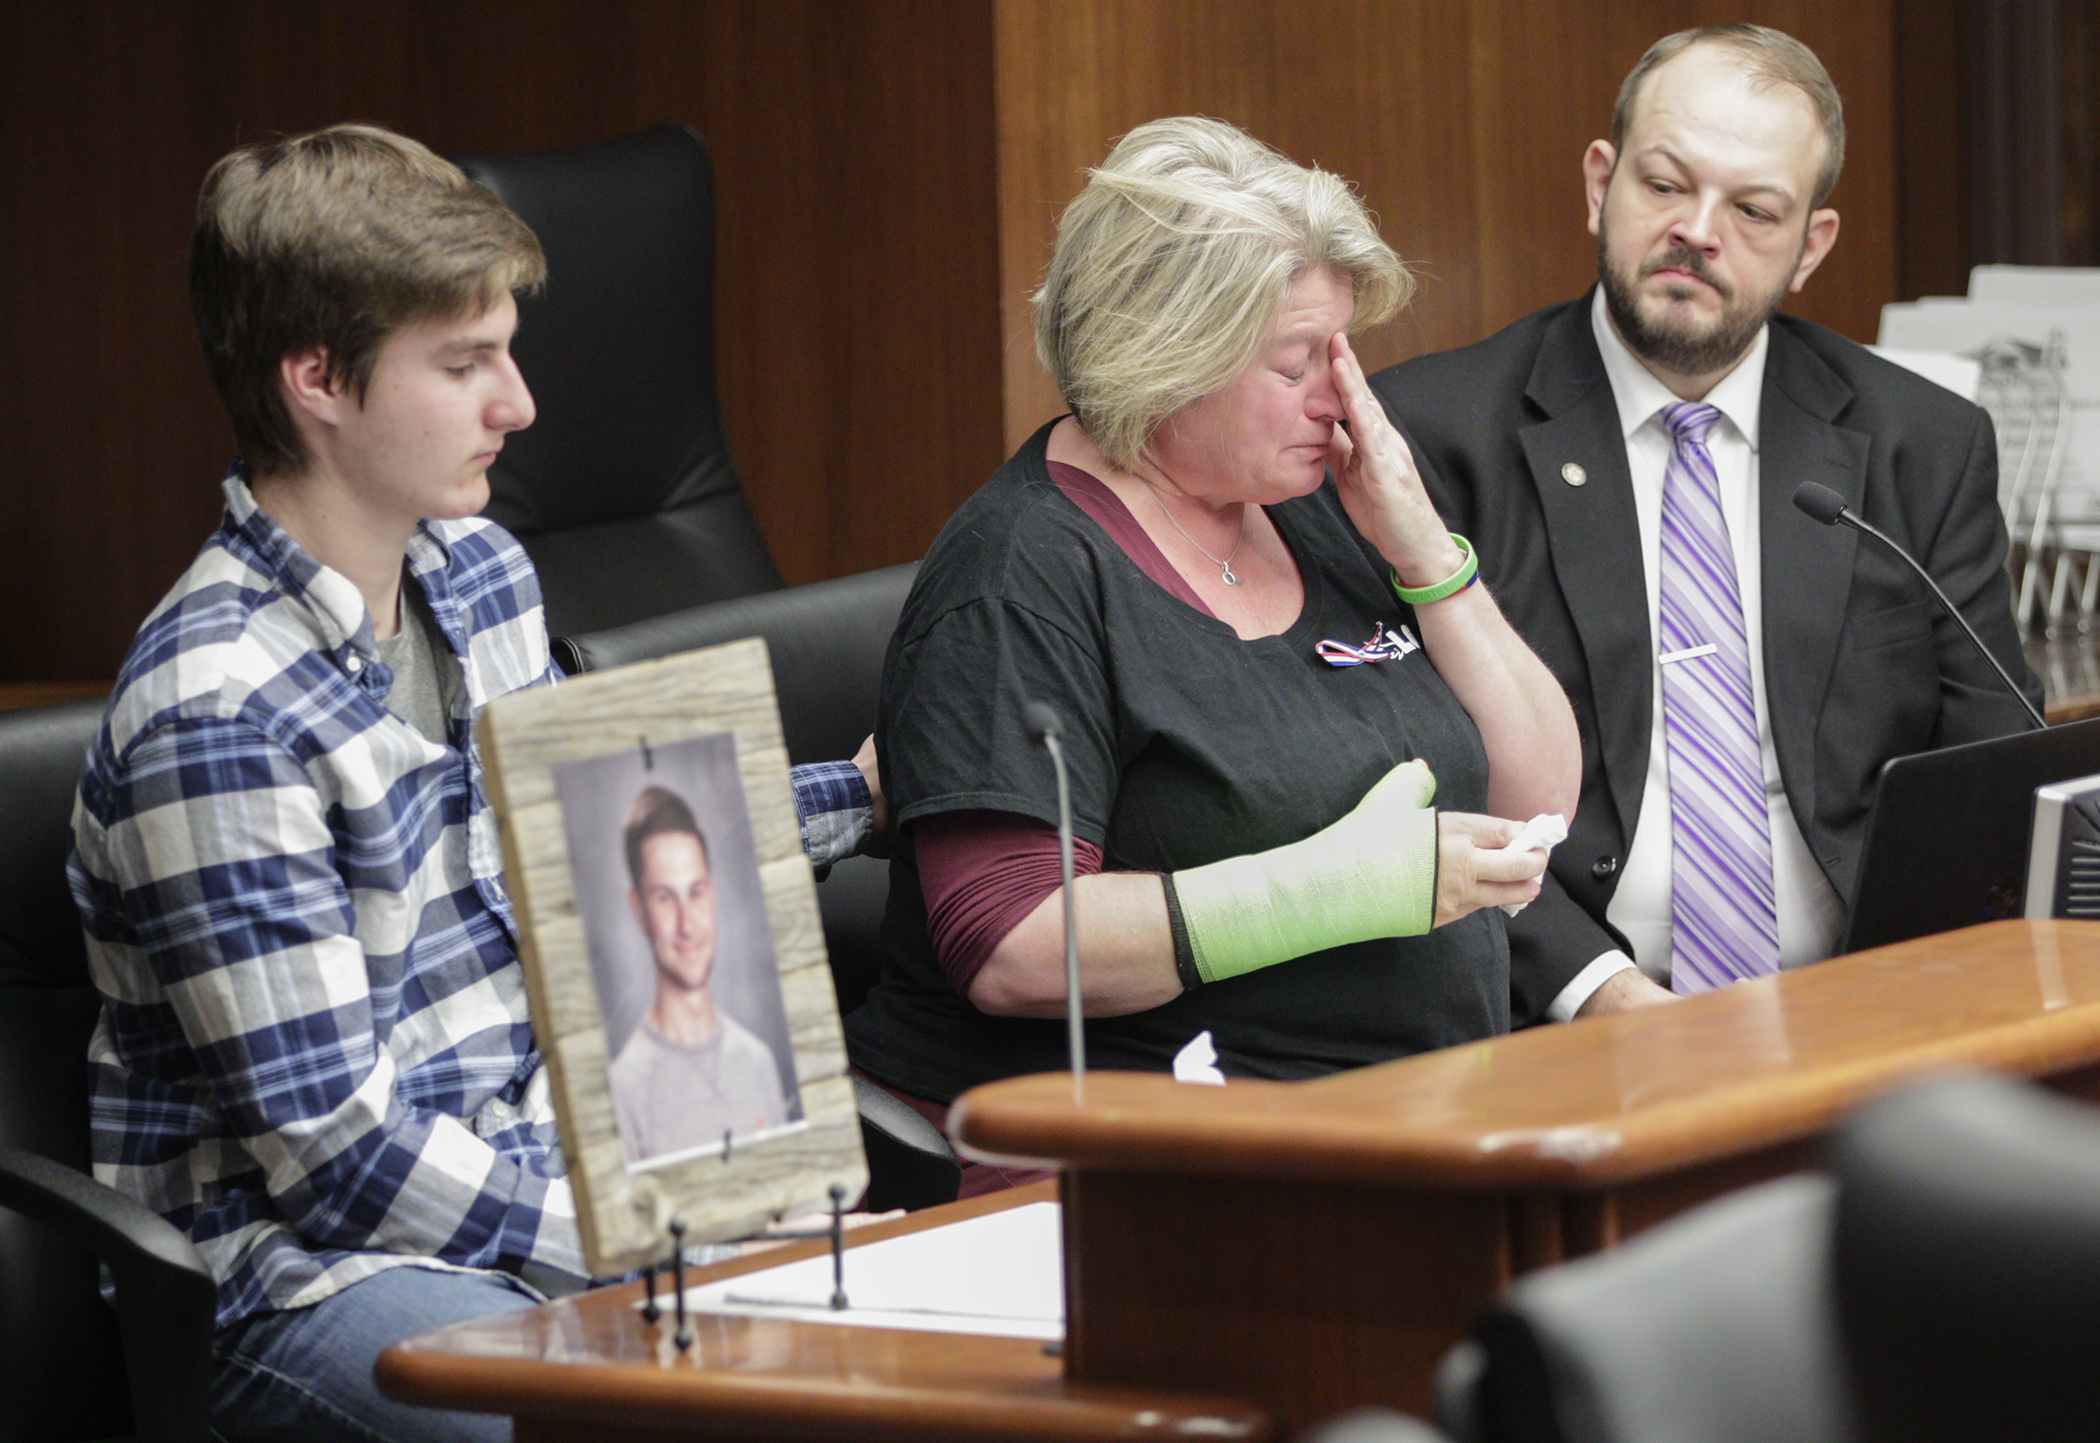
{"x": 1222, "y": 572}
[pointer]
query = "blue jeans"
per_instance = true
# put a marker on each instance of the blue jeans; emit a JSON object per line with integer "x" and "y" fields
{"x": 305, "y": 1376}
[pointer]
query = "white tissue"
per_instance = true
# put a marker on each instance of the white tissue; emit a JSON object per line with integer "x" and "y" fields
{"x": 1541, "y": 834}
{"x": 1198, "y": 1062}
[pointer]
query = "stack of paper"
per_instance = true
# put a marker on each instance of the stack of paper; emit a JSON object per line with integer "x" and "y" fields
{"x": 2032, "y": 336}
{"x": 1001, "y": 1274}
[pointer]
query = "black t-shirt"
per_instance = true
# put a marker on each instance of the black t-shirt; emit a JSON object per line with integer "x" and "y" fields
{"x": 1186, "y": 745}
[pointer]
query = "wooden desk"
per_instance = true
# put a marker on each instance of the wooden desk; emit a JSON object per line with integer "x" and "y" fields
{"x": 1313, "y": 1245}
{"x": 1308, "y": 1246}
{"x": 588, "y": 1368}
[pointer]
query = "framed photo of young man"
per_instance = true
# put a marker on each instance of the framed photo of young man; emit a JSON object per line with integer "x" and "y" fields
{"x": 667, "y": 920}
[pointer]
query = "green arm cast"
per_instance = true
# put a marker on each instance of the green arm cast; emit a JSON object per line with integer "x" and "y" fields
{"x": 1371, "y": 874}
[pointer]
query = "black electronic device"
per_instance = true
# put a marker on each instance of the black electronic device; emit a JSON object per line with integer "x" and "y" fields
{"x": 1947, "y": 845}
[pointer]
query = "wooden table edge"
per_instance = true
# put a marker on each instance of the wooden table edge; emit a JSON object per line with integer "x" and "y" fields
{"x": 1038, "y": 1404}
{"x": 706, "y": 1401}
{"x": 1031, "y": 1120}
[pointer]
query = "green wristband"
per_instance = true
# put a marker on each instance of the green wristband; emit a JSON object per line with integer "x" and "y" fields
{"x": 1371, "y": 874}
{"x": 1468, "y": 572}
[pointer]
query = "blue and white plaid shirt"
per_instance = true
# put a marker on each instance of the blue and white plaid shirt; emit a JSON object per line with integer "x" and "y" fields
{"x": 315, "y": 1054}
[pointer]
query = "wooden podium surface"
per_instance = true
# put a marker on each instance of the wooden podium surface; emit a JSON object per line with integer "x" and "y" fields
{"x": 1308, "y": 1246}
{"x": 1312, "y": 1245}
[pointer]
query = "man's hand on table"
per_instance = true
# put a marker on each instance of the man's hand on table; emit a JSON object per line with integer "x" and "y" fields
{"x": 1623, "y": 991}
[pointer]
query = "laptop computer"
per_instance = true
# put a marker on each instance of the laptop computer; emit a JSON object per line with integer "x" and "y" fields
{"x": 1947, "y": 842}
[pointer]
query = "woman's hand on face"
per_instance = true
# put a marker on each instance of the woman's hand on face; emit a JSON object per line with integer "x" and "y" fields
{"x": 1380, "y": 487}
{"x": 1473, "y": 872}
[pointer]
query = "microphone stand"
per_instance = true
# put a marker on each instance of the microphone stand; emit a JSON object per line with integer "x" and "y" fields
{"x": 1043, "y": 723}
{"x": 1822, "y": 504}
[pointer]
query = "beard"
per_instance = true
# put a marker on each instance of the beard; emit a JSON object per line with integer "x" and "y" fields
{"x": 1677, "y": 346}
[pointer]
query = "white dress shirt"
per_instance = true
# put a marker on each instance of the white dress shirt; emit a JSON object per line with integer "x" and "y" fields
{"x": 1811, "y": 915}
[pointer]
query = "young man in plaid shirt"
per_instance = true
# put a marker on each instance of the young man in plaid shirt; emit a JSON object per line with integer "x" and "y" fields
{"x": 315, "y": 1055}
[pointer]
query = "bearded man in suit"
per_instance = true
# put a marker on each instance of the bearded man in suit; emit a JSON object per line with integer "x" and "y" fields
{"x": 1624, "y": 465}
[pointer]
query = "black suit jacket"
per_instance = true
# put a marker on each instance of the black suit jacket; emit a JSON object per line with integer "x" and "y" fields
{"x": 1859, "y": 663}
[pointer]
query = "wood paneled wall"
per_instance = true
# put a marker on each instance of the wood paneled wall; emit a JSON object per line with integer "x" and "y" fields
{"x": 1462, "y": 123}
{"x": 853, "y": 146}
{"x": 889, "y": 175}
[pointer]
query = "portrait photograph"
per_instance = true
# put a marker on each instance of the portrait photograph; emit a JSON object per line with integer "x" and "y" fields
{"x": 667, "y": 920}
{"x": 666, "y": 882}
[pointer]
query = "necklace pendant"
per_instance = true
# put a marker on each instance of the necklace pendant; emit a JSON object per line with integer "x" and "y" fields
{"x": 1226, "y": 575}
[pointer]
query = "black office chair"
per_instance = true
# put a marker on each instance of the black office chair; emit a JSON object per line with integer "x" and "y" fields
{"x": 1939, "y": 1283}
{"x": 1967, "y": 1257}
{"x": 70, "y": 1367}
{"x": 622, "y": 491}
{"x": 826, "y": 641}
{"x": 1716, "y": 1327}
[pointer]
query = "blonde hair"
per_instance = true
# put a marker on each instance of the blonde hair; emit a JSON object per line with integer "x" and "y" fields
{"x": 1174, "y": 262}
{"x": 336, "y": 240}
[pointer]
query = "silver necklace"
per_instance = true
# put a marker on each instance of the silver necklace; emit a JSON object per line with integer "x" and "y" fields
{"x": 1225, "y": 572}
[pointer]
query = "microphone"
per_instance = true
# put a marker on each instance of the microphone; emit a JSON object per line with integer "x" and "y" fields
{"x": 1825, "y": 505}
{"x": 1042, "y": 723}
{"x": 1047, "y": 730}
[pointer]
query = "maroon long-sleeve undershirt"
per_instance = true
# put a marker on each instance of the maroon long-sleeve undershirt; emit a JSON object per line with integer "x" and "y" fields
{"x": 983, "y": 872}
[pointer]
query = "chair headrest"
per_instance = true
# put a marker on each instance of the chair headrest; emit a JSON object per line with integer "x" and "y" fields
{"x": 623, "y": 333}
{"x": 827, "y": 641}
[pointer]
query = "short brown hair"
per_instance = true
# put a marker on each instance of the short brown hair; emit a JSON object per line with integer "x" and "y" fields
{"x": 1770, "y": 57}
{"x": 656, "y": 811}
{"x": 1173, "y": 263}
{"x": 336, "y": 240}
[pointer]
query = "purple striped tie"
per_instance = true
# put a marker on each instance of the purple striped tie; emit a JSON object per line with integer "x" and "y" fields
{"x": 1724, "y": 921}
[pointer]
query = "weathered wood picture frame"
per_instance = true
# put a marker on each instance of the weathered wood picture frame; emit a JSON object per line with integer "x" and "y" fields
{"x": 600, "y": 869}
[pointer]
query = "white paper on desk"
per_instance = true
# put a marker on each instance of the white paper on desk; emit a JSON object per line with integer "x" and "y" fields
{"x": 1963, "y": 375}
{"x": 1000, "y": 1275}
{"x": 2035, "y": 285}
{"x": 2047, "y": 439}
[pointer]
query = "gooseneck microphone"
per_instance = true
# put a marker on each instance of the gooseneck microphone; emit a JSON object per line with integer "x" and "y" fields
{"x": 1826, "y": 506}
{"x": 1047, "y": 731}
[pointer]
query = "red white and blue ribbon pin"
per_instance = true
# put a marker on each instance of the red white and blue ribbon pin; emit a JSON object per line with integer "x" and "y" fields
{"x": 1385, "y": 644}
